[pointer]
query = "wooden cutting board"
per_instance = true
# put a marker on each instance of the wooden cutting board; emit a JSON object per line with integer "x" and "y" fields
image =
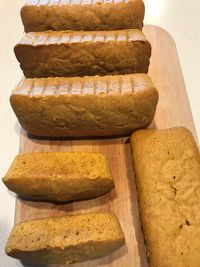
{"x": 173, "y": 110}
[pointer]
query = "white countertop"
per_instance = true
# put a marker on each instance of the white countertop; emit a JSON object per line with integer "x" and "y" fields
{"x": 180, "y": 18}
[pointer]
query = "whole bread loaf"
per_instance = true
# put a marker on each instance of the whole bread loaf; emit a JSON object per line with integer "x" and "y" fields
{"x": 167, "y": 168}
{"x": 64, "y": 240}
{"x": 88, "y": 106}
{"x": 65, "y": 53}
{"x": 85, "y": 15}
{"x": 59, "y": 176}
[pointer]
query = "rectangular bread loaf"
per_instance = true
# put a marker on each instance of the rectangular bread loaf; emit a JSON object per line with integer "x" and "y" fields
{"x": 59, "y": 176}
{"x": 67, "y": 239}
{"x": 65, "y": 53}
{"x": 87, "y": 15}
{"x": 88, "y": 106}
{"x": 167, "y": 168}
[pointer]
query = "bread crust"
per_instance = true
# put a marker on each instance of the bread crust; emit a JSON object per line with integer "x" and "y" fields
{"x": 67, "y": 54}
{"x": 88, "y": 106}
{"x": 83, "y": 15}
{"x": 167, "y": 169}
{"x": 59, "y": 176}
{"x": 67, "y": 239}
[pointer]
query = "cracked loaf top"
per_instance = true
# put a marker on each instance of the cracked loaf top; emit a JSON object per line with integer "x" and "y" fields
{"x": 167, "y": 168}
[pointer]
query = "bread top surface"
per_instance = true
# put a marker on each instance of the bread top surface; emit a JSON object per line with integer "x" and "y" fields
{"x": 60, "y": 164}
{"x": 50, "y": 3}
{"x": 88, "y": 85}
{"x": 169, "y": 157}
{"x": 65, "y": 231}
{"x": 158, "y": 141}
{"x": 167, "y": 167}
{"x": 74, "y": 37}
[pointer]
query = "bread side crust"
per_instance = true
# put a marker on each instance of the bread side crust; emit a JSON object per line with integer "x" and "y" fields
{"x": 100, "y": 106}
{"x": 64, "y": 54}
{"x": 91, "y": 16}
{"x": 59, "y": 176}
{"x": 67, "y": 239}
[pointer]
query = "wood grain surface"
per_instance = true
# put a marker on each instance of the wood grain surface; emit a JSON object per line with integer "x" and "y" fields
{"x": 173, "y": 110}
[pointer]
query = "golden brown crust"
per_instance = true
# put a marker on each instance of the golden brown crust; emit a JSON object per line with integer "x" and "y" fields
{"x": 82, "y": 15}
{"x": 88, "y": 106}
{"x": 67, "y": 53}
{"x": 167, "y": 168}
{"x": 59, "y": 176}
{"x": 66, "y": 239}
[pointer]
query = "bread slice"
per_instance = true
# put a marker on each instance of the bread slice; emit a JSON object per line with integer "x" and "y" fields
{"x": 85, "y": 15}
{"x": 68, "y": 53}
{"x": 64, "y": 240}
{"x": 167, "y": 168}
{"x": 59, "y": 176}
{"x": 88, "y": 106}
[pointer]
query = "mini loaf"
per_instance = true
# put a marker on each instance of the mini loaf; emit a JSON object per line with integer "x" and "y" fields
{"x": 59, "y": 176}
{"x": 64, "y": 240}
{"x": 85, "y": 15}
{"x": 88, "y": 106}
{"x": 167, "y": 168}
{"x": 57, "y": 54}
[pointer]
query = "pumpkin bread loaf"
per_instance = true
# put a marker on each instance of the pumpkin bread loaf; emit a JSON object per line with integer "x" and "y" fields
{"x": 67, "y": 239}
{"x": 87, "y": 15}
{"x": 68, "y": 53}
{"x": 88, "y": 106}
{"x": 59, "y": 176}
{"x": 167, "y": 169}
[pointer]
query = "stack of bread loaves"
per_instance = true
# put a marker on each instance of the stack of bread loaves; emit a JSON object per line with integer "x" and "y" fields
{"x": 67, "y": 40}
